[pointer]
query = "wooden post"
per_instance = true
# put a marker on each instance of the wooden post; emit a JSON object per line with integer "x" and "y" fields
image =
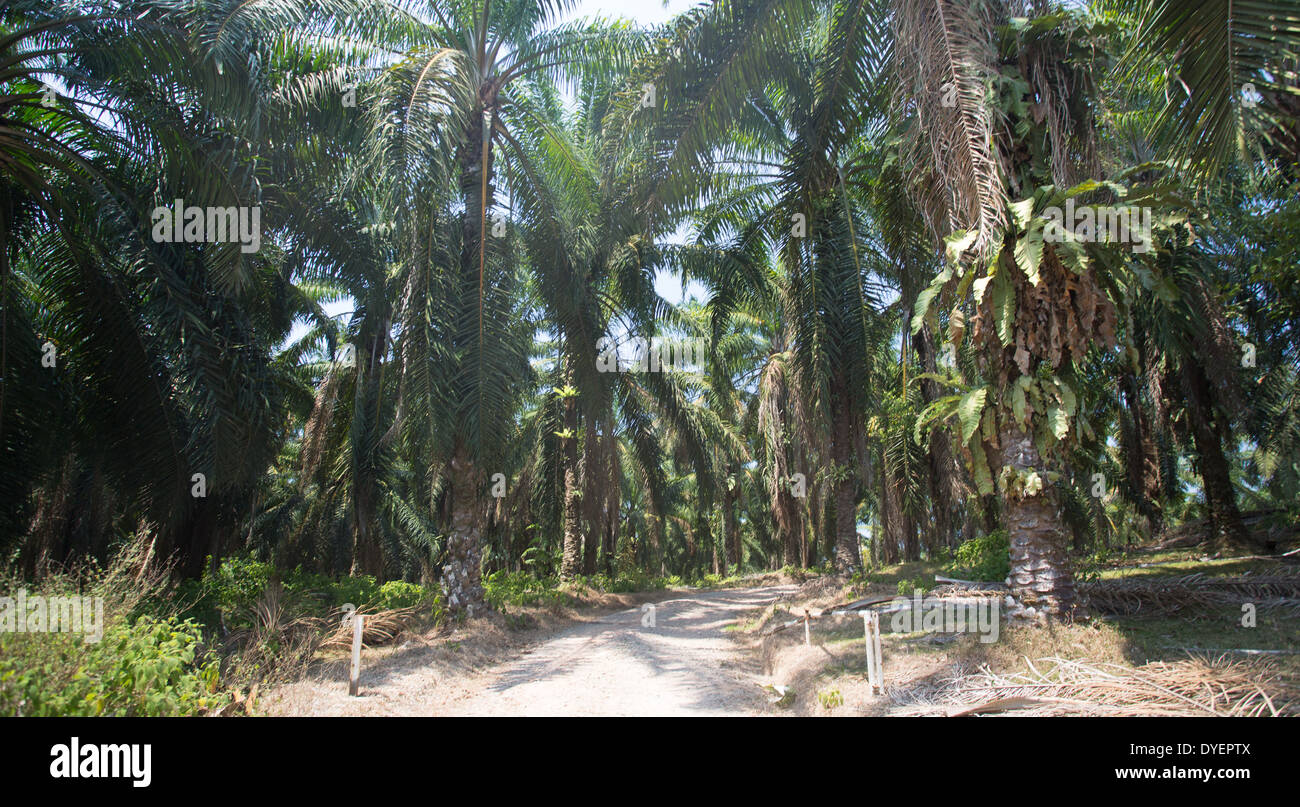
{"x": 880, "y": 666}
{"x": 871, "y": 659}
{"x": 355, "y": 678}
{"x": 871, "y": 637}
{"x": 807, "y": 636}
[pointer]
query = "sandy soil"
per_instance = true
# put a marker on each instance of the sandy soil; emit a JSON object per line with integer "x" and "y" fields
{"x": 685, "y": 664}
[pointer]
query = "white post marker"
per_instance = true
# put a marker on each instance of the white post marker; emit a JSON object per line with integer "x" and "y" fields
{"x": 871, "y": 659}
{"x": 875, "y": 668}
{"x": 355, "y": 678}
{"x": 871, "y": 638}
{"x": 807, "y": 637}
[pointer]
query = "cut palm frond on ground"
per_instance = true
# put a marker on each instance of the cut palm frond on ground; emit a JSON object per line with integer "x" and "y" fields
{"x": 1200, "y": 685}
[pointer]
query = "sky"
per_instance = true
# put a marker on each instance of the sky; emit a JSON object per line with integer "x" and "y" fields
{"x": 645, "y": 12}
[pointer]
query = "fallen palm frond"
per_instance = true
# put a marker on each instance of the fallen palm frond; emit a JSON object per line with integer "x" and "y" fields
{"x": 378, "y": 628}
{"x": 1193, "y": 591}
{"x": 1200, "y": 685}
{"x": 279, "y": 641}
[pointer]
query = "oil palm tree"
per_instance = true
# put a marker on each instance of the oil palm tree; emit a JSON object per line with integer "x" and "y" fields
{"x": 459, "y": 117}
{"x": 997, "y": 108}
{"x": 797, "y": 137}
{"x": 171, "y": 343}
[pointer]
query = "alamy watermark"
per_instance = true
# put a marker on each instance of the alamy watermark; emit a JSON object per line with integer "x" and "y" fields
{"x": 211, "y": 225}
{"x": 40, "y": 614}
{"x": 1116, "y": 225}
{"x": 655, "y": 355}
{"x": 77, "y": 760}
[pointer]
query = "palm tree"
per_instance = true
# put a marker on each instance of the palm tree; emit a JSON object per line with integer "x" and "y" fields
{"x": 799, "y": 137}
{"x": 171, "y": 343}
{"x": 459, "y": 114}
{"x": 997, "y": 108}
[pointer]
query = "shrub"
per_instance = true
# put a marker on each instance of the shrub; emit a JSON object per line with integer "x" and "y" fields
{"x": 401, "y": 594}
{"x": 520, "y": 588}
{"x": 149, "y": 667}
{"x": 985, "y": 557}
{"x": 830, "y": 699}
{"x": 148, "y": 662}
{"x": 228, "y": 596}
{"x": 911, "y": 584}
{"x": 1089, "y": 569}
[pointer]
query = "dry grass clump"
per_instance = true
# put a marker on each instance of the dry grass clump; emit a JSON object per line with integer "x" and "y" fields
{"x": 1199, "y": 685}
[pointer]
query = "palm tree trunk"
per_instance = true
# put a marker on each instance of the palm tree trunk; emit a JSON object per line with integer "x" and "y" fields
{"x": 791, "y": 529}
{"x": 593, "y": 473}
{"x": 886, "y": 539}
{"x": 1141, "y": 466}
{"x": 731, "y": 526}
{"x": 898, "y": 526}
{"x": 703, "y": 535}
{"x": 847, "y": 557}
{"x": 571, "y": 560}
{"x": 610, "y": 538}
{"x": 367, "y": 555}
{"x": 944, "y": 477}
{"x": 1220, "y": 497}
{"x": 1040, "y": 562}
{"x": 462, "y": 573}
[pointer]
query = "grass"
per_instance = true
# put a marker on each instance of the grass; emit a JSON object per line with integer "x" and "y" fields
{"x": 890, "y": 576}
{"x": 1180, "y": 562}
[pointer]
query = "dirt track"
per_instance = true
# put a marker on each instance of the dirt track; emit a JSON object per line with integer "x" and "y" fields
{"x": 683, "y": 665}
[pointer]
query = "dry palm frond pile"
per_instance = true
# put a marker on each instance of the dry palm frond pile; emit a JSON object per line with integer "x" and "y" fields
{"x": 1190, "y": 592}
{"x": 1203, "y": 686}
{"x": 377, "y": 628}
{"x": 278, "y": 640}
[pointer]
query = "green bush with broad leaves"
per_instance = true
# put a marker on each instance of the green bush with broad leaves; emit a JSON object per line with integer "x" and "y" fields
{"x": 985, "y": 558}
{"x": 149, "y": 667}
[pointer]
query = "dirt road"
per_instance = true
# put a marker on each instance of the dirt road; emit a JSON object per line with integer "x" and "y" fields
{"x": 673, "y": 660}
{"x": 681, "y": 662}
